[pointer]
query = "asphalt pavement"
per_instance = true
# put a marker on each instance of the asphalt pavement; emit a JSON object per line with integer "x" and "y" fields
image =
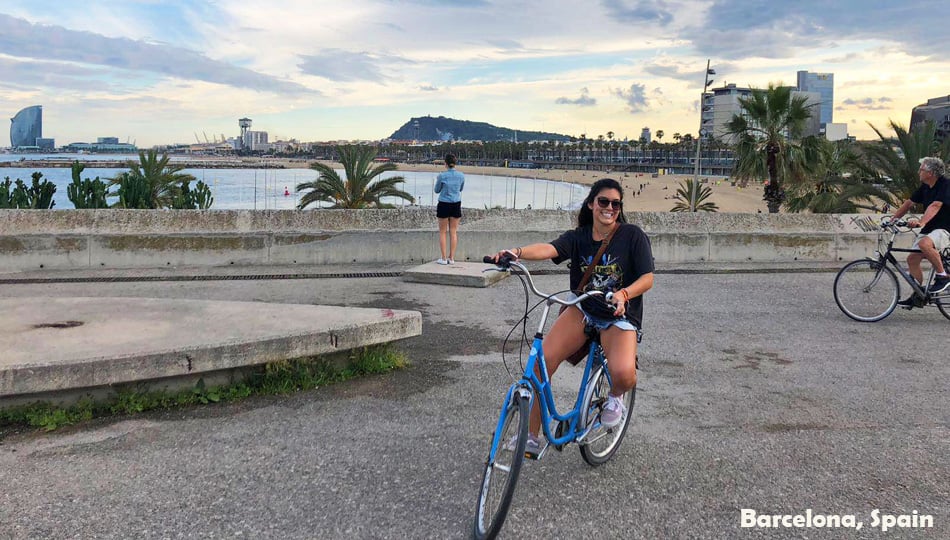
{"x": 755, "y": 393}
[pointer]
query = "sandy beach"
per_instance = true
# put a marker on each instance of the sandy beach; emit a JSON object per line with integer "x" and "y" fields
{"x": 656, "y": 195}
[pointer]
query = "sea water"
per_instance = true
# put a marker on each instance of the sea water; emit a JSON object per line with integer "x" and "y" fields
{"x": 275, "y": 189}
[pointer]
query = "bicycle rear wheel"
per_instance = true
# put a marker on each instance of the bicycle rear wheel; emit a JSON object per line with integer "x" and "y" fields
{"x": 601, "y": 443}
{"x": 501, "y": 474}
{"x": 866, "y": 290}
{"x": 943, "y": 304}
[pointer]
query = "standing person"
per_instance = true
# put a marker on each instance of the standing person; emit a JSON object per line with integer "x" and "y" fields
{"x": 449, "y": 186}
{"x": 625, "y": 269}
{"x": 934, "y": 194}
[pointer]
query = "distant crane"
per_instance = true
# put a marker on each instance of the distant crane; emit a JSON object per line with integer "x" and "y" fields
{"x": 206, "y": 137}
{"x": 197, "y": 140}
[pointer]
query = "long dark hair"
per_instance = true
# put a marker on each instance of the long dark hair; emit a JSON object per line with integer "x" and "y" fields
{"x": 586, "y": 215}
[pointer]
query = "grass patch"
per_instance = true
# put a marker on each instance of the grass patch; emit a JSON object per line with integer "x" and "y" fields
{"x": 283, "y": 377}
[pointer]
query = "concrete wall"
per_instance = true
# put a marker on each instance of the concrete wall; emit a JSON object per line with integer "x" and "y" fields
{"x": 33, "y": 239}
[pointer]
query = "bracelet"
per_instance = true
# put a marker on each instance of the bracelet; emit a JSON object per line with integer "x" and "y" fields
{"x": 518, "y": 254}
{"x": 626, "y": 297}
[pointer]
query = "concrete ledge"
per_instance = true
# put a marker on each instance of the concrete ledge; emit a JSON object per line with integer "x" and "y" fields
{"x": 57, "y": 344}
{"x": 114, "y": 238}
{"x": 461, "y": 274}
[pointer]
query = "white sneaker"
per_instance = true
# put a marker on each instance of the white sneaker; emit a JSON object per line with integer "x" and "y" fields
{"x": 613, "y": 413}
{"x": 533, "y": 447}
{"x": 442, "y": 261}
{"x": 451, "y": 261}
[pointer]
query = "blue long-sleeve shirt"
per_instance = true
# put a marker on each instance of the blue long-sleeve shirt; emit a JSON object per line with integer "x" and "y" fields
{"x": 449, "y": 186}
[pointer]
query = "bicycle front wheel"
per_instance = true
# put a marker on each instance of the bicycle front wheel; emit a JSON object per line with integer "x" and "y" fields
{"x": 501, "y": 474}
{"x": 866, "y": 290}
{"x": 601, "y": 443}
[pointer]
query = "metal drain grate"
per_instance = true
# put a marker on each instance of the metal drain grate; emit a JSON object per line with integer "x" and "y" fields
{"x": 240, "y": 277}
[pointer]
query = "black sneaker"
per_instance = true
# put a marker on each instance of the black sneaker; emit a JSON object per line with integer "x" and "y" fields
{"x": 940, "y": 284}
{"x": 911, "y": 301}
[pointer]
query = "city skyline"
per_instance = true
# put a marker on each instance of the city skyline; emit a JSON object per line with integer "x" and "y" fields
{"x": 158, "y": 72}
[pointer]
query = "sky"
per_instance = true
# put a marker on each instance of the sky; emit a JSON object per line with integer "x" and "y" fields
{"x": 163, "y": 72}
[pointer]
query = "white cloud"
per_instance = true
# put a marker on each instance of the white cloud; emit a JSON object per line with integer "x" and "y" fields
{"x": 322, "y": 69}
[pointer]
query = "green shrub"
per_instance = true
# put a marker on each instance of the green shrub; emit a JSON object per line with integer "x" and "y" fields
{"x": 86, "y": 193}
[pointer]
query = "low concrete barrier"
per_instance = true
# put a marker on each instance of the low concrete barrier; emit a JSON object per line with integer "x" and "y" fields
{"x": 113, "y": 238}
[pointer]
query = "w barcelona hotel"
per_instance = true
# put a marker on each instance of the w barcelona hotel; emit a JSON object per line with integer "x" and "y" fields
{"x": 26, "y": 130}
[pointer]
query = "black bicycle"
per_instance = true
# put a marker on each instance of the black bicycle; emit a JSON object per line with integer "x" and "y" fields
{"x": 867, "y": 290}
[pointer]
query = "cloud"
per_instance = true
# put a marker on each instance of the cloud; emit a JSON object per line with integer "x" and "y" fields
{"x": 30, "y": 75}
{"x": 753, "y": 28}
{"x": 634, "y": 97}
{"x": 506, "y": 44}
{"x": 448, "y": 3}
{"x": 345, "y": 66}
{"x": 848, "y": 58}
{"x": 429, "y": 88}
{"x": 640, "y": 11}
{"x": 865, "y": 104}
{"x": 584, "y": 100}
{"x": 20, "y": 38}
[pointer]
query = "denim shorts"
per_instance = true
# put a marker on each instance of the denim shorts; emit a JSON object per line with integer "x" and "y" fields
{"x": 603, "y": 324}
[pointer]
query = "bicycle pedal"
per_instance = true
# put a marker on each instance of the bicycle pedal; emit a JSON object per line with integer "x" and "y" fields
{"x": 539, "y": 455}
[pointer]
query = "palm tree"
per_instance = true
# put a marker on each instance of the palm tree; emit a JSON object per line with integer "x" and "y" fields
{"x": 897, "y": 158}
{"x": 834, "y": 185}
{"x": 361, "y": 187}
{"x": 768, "y": 134}
{"x": 151, "y": 183}
{"x": 682, "y": 198}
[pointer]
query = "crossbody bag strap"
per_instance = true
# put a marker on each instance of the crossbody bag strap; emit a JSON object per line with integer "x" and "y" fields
{"x": 593, "y": 262}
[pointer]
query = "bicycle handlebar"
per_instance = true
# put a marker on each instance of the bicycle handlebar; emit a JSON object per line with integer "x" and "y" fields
{"x": 895, "y": 225}
{"x": 505, "y": 262}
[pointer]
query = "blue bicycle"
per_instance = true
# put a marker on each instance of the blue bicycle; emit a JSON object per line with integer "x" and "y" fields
{"x": 580, "y": 425}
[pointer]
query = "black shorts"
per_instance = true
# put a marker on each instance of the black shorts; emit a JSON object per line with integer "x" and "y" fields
{"x": 448, "y": 209}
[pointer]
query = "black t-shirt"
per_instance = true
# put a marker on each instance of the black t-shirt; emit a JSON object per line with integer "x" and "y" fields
{"x": 926, "y": 195}
{"x": 627, "y": 257}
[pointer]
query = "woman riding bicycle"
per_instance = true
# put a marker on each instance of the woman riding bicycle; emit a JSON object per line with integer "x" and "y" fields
{"x": 625, "y": 268}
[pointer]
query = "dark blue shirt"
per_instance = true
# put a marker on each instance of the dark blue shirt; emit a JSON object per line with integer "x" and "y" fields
{"x": 627, "y": 257}
{"x": 926, "y": 195}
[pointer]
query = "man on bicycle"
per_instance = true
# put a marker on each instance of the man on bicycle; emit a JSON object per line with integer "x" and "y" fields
{"x": 934, "y": 194}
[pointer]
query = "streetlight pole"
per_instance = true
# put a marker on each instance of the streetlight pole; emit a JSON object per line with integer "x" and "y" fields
{"x": 694, "y": 193}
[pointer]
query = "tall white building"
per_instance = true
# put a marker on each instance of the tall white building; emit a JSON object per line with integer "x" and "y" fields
{"x": 255, "y": 140}
{"x": 721, "y": 104}
{"x": 824, "y": 85}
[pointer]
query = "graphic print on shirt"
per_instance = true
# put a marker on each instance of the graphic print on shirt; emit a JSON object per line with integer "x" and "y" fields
{"x": 607, "y": 275}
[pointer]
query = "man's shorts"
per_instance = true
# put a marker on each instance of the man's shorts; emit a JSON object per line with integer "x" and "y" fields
{"x": 940, "y": 237}
{"x": 448, "y": 210}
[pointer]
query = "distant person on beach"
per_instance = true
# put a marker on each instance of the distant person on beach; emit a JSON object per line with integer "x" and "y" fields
{"x": 449, "y": 185}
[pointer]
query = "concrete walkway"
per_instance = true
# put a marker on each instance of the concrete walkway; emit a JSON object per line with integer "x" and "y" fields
{"x": 57, "y": 344}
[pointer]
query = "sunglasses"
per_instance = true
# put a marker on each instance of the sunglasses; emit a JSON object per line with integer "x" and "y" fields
{"x": 604, "y": 202}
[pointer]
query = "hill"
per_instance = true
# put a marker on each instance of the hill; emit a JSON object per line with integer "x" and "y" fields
{"x": 431, "y": 128}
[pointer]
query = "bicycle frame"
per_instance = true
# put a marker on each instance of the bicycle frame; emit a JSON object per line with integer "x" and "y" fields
{"x": 532, "y": 384}
{"x": 888, "y": 257}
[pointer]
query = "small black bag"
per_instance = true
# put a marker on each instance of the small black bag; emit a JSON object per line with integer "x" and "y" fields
{"x": 578, "y": 355}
